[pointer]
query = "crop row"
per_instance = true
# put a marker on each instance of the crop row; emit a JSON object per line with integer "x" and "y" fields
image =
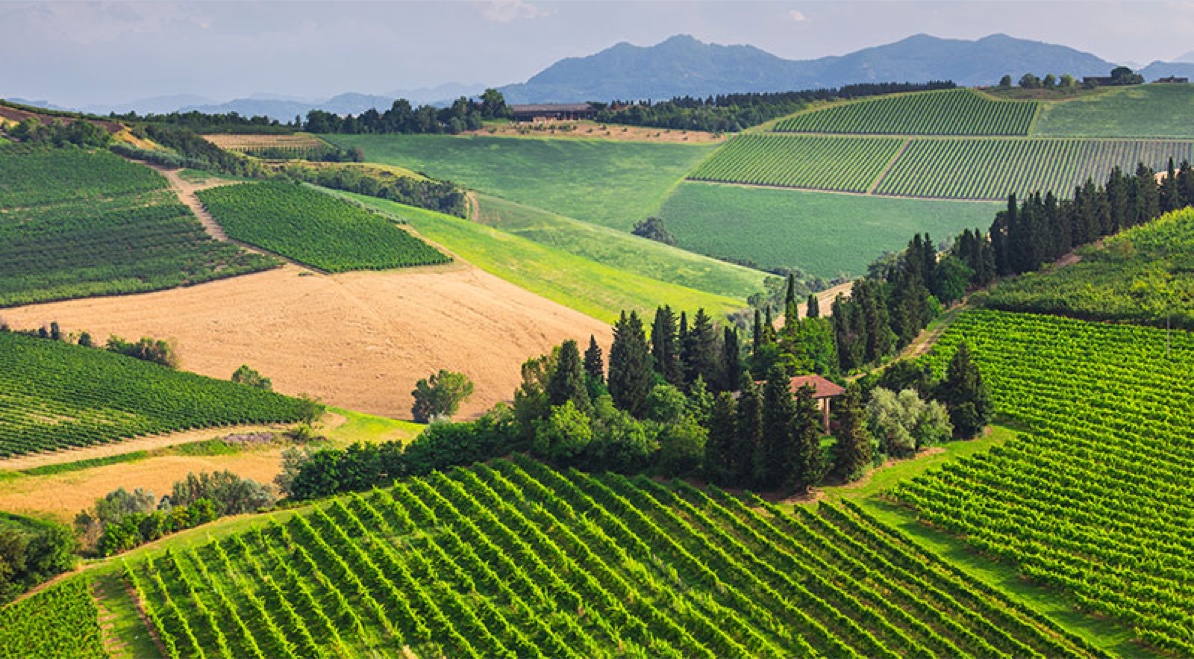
{"x": 54, "y": 395}
{"x": 1096, "y": 497}
{"x": 37, "y": 176}
{"x": 314, "y": 228}
{"x": 516, "y": 559}
{"x": 847, "y": 164}
{"x": 60, "y": 621}
{"x": 946, "y": 112}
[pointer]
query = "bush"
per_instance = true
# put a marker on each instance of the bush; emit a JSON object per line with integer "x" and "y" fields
{"x": 904, "y": 423}
{"x": 440, "y": 395}
{"x": 246, "y": 375}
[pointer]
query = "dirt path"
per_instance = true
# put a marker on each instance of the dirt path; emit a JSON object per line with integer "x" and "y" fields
{"x": 824, "y": 302}
{"x": 186, "y": 194}
{"x": 147, "y": 443}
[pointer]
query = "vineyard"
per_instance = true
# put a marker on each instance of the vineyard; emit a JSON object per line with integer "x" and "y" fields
{"x": 1142, "y": 275}
{"x": 846, "y": 164}
{"x": 75, "y": 223}
{"x": 314, "y": 228}
{"x": 957, "y": 168}
{"x": 516, "y": 559}
{"x": 60, "y": 621}
{"x": 56, "y": 396}
{"x": 1096, "y": 498}
{"x": 945, "y": 112}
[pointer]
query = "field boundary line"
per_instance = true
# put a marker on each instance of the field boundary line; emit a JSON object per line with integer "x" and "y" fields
{"x": 891, "y": 163}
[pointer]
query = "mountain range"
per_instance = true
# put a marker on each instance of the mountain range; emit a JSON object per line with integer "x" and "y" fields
{"x": 685, "y": 66}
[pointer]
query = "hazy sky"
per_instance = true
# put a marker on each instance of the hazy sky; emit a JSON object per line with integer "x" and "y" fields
{"x": 79, "y": 53}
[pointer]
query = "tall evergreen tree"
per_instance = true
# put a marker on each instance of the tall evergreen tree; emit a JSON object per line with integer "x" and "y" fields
{"x": 965, "y": 394}
{"x": 806, "y": 465}
{"x": 773, "y": 458}
{"x": 567, "y": 382}
{"x": 594, "y": 362}
{"x": 630, "y": 371}
{"x": 665, "y": 347}
{"x": 812, "y": 308}
{"x": 720, "y": 446}
{"x": 758, "y": 336}
{"x": 768, "y": 327}
{"x": 700, "y": 354}
{"x": 731, "y": 360}
{"x": 749, "y": 435}
{"x": 852, "y": 451}
{"x": 790, "y": 293}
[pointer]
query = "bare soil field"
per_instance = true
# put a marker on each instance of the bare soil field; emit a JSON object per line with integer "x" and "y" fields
{"x": 356, "y": 340}
{"x": 592, "y": 130}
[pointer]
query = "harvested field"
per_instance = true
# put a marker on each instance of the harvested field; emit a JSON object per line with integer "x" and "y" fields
{"x": 356, "y": 340}
{"x": 591, "y": 130}
{"x": 244, "y": 142}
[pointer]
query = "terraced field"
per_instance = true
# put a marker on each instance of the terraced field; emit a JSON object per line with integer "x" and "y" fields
{"x": 56, "y": 396}
{"x": 532, "y": 562}
{"x": 75, "y": 223}
{"x": 1095, "y": 498}
{"x": 844, "y": 164}
{"x": 944, "y": 112}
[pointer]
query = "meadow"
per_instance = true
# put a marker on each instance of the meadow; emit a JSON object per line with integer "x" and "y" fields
{"x": 535, "y": 562}
{"x": 1157, "y": 110}
{"x": 824, "y": 234}
{"x": 595, "y": 289}
{"x": 75, "y": 223}
{"x": 944, "y": 112}
{"x": 1101, "y": 475}
{"x": 56, "y": 396}
{"x": 314, "y": 228}
{"x": 614, "y": 184}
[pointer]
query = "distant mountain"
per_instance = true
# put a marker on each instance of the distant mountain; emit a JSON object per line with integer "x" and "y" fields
{"x": 155, "y": 104}
{"x": 1188, "y": 58}
{"x": 37, "y": 104}
{"x": 683, "y": 65}
{"x": 1166, "y": 69}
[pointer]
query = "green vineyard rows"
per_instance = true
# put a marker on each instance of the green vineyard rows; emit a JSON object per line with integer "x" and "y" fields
{"x": 314, "y": 228}
{"x": 54, "y": 396}
{"x": 846, "y": 164}
{"x": 60, "y": 621}
{"x": 1098, "y": 497}
{"x": 75, "y": 223}
{"x": 519, "y": 560}
{"x": 946, "y": 112}
{"x": 958, "y": 168}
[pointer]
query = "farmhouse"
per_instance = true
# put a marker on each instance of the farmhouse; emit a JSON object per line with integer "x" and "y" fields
{"x": 553, "y": 112}
{"x": 1173, "y": 80}
{"x": 823, "y": 392}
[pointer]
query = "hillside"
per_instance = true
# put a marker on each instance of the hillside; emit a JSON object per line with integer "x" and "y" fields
{"x": 1141, "y": 111}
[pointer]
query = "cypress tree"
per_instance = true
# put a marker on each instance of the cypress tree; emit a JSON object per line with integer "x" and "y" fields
{"x": 852, "y": 451}
{"x": 928, "y": 255}
{"x": 567, "y": 382}
{"x": 594, "y": 363}
{"x": 965, "y": 394}
{"x": 768, "y": 327}
{"x": 773, "y": 457}
{"x": 630, "y": 372}
{"x": 758, "y": 335}
{"x": 731, "y": 360}
{"x": 665, "y": 348}
{"x": 699, "y": 353}
{"x": 750, "y": 433}
{"x": 812, "y": 308}
{"x": 790, "y": 294}
{"x": 806, "y": 466}
{"x": 1148, "y": 202}
{"x": 720, "y": 446}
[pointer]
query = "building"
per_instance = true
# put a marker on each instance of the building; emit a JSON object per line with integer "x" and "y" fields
{"x": 1173, "y": 80}
{"x": 553, "y": 112}
{"x": 823, "y": 392}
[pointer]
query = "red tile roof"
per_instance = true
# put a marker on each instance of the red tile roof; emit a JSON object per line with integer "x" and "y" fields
{"x": 822, "y": 388}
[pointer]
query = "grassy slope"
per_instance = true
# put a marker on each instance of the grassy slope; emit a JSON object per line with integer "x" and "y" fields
{"x": 822, "y": 233}
{"x": 620, "y": 250}
{"x": 1141, "y": 111}
{"x": 598, "y": 290}
{"x": 614, "y": 184}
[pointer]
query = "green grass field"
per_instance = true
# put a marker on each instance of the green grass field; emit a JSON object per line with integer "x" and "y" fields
{"x": 1138, "y": 111}
{"x": 825, "y": 234}
{"x": 621, "y": 250}
{"x": 943, "y": 112}
{"x": 598, "y": 290}
{"x": 614, "y": 184}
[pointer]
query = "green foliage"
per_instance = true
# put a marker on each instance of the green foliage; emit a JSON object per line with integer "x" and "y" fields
{"x": 78, "y": 133}
{"x": 1100, "y": 477}
{"x": 60, "y": 621}
{"x": 32, "y": 551}
{"x": 1144, "y": 111}
{"x": 904, "y": 423}
{"x": 654, "y": 228}
{"x": 154, "y": 351}
{"x": 61, "y": 396}
{"x": 564, "y": 435}
{"x": 563, "y": 176}
{"x": 315, "y": 228}
{"x": 682, "y": 446}
{"x": 964, "y": 168}
{"x": 853, "y": 451}
{"x": 79, "y": 223}
{"x": 630, "y": 365}
{"x": 944, "y": 112}
{"x": 440, "y": 395}
{"x": 247, "y": 376}
{"x": 965, "y": 394}
{"x": 376, "y": 182}
{"x": 230, "y": 494}
{"x": 843, "y": 164}
{"x": 827, "y": 235}
{"x": 567, "y": 382}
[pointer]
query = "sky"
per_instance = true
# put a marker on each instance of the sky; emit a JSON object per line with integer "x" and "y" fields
{"x": 77, "y": 53}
